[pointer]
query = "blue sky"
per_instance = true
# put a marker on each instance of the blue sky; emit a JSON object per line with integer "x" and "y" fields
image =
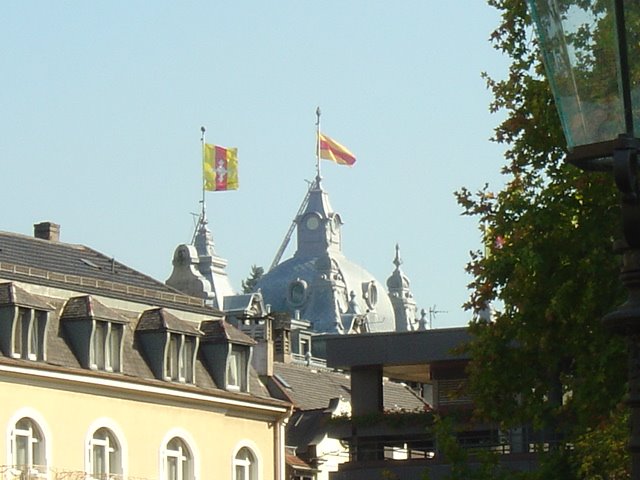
{"x": 102, "y": 104}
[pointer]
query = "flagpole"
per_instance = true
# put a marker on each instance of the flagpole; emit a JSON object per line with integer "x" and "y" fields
{"x": 318, "y": 177}
{"x": 202, "y": 141}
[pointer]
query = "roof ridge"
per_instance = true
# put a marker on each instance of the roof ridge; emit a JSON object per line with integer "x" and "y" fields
{"x": 78, "y": 246}
{"x": 109, "y": 285}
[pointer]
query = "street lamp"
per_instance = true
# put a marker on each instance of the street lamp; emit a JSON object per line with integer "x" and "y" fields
{"x": 591, "y": 52}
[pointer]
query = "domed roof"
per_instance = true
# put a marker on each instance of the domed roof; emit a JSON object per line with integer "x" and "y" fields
{"x": 320, "y": 283}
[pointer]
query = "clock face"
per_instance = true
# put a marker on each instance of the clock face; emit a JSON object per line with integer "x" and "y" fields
{"x": 312, "y": 222}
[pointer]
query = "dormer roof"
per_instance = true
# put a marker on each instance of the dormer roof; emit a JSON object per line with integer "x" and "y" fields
{"x": 11, "y": 294}
{"x": 219, "y": 331}
{"x": 86, "y": 306}
{"x": 248, "y": 304}
{"x": 159, "y": 319}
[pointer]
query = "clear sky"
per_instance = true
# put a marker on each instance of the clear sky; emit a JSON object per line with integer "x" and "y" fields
{"x": 102, "y": 102}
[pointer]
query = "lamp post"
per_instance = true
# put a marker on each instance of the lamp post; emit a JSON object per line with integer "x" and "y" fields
{"x": 591, "y": 52}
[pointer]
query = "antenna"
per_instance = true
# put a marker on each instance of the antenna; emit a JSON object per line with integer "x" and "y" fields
{"x": 433, "y": 311}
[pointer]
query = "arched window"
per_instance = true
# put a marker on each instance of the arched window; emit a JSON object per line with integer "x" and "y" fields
{"x": 105, "y": 455}
{"x": 245, "y": 466}
{"x": 28, "y": 448}
{"x": 178, "y": 460}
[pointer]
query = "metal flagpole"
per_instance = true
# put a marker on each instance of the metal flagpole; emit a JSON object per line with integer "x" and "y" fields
{"x": 202, "y": 141}
{"x": 202, "y": 217}
{"x": 318, "y": 177}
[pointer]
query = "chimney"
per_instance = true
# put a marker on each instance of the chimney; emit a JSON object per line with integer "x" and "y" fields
{"x": 47, "y": 231}
{"x": 282, "y": 337}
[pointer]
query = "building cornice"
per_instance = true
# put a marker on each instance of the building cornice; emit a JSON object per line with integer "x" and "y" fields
{"x": 150, "y": 389}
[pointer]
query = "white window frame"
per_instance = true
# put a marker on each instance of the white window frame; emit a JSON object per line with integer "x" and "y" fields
{"x": 28, "y": 335}
{"x": 118, "y": 440}
{"x": 44, "y": 430}
{"x": 237, "y": 369}
{"x": 35, "y": 464}
{"x": 190, "y": 447}
{"x": 252, "y": 470}
{"x": 104, "y": 440}
{"x": 106, "y": 350}
{"x": 180, "y": 357}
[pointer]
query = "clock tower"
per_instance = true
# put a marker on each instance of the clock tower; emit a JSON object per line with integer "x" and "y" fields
{"x": 318, "y": 226}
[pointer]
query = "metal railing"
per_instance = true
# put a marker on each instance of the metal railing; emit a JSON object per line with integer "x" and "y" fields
{"x": 42, "y": 472}
{"x": 308, "y": 360}
{"x": 408, "y": 447}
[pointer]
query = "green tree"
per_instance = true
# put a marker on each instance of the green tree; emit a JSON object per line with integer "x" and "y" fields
{"x": 249, "y": 284}
{"x": 548, "y": 272}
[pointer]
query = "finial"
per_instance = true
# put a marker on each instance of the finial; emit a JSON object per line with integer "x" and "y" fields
{"x": 318, "y": 112}
{"x": 397, "y": 261}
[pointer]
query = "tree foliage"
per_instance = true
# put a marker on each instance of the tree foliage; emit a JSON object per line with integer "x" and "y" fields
{"x": 249, "y": 284}
{"x": 548, "y": 272}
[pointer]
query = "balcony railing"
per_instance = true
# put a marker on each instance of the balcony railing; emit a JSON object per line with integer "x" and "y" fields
{"x": 40, "y": 472}
{"x": 378, "y": 444}
{"x": 308, "y": 360}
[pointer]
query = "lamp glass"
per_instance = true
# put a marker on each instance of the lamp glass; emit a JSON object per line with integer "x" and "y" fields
{"x": 580, "y": 51}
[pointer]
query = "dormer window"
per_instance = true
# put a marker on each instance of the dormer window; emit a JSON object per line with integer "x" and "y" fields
{"x": 237, "y": 368}
{"x": 170, "y": 345}
{"x": 95, "y": 332}
{"x": 180, "y": 357}
{"x": 29, "y": 334}
{"x": 23, "y": 323}
{"x": 106, "y": 346}
{"x": 226, "y": 352}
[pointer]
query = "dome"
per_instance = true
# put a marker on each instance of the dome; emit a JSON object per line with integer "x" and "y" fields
{"x": 325, "y": 290}
{"x": 319, "y": 283}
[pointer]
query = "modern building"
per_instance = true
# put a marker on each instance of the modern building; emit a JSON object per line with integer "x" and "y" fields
{"x": 322, "y": 407}
{"x": 107, "y": 373}
{"x": 432, "y": 359}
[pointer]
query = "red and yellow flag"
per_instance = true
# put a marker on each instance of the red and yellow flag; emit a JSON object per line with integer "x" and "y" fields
{"x": 220, "y": 168}
{"x": 332, "y": 150}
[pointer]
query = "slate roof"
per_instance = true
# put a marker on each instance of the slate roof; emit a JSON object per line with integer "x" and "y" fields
{"x": 60, "y": 355}
{"x": 307, "y": 427}
{"x": 218, "y": 331}
{"x": 28, "y": 261}
{"x": 11, "y": 294}
{"x": 312, "y": 388}
{"x": 311, "y": 263}
{"x": 157, "y": 319}
{"x": 80, "y": 268}
{"x": 88, "y": 307}
{"x": 238, "y": 303}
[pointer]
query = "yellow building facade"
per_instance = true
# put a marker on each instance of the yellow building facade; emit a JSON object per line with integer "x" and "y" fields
{"x": 107, "y": 374}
